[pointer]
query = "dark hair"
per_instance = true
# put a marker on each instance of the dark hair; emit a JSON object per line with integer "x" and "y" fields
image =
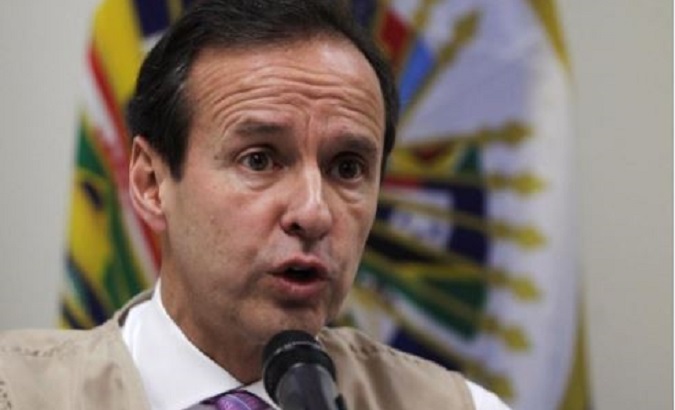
{"x": 159, "y": 111}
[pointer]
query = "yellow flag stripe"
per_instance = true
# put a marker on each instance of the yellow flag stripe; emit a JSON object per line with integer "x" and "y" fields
{"x": 118, "y": 41}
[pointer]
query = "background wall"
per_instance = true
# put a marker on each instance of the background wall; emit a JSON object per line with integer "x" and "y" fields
{"x": 622, "y": 54}
{"x": 622, "y": 59}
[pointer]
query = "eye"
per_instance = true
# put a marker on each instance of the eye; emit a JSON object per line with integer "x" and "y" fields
{"x": 348, "y": 168}
{"x": 258, "y": 161}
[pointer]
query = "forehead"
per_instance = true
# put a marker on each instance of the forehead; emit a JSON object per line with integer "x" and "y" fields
{"x": 344, "y": 56}
{"x": 321, "y": 63}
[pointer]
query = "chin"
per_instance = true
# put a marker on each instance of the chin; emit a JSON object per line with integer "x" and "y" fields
{"x": 311, "y": 325}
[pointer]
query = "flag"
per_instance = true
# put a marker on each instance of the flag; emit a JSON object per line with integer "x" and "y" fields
{"x": 111, "y": 254}
{"x": 471, "y": 261}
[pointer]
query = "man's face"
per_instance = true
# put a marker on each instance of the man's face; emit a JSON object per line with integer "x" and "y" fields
{"x": 265, "y": 230}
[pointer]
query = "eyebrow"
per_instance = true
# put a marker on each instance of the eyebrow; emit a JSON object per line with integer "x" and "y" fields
{"x": 252, "y": 127}
{"x": 346, "y": 141}
{"x": 357, "y": 143}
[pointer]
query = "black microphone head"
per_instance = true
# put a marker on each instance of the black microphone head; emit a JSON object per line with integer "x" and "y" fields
{"x": 287, "y": 349}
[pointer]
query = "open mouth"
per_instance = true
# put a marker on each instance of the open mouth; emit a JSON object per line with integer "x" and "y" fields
{"x": 301, "y": 281}
{"x": 300, "y": 274}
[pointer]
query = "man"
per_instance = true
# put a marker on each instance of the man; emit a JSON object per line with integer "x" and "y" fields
{"x": 261, "y": 131}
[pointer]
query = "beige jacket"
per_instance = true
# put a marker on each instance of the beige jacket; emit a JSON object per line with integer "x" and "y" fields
{"x": 78, "y": 370}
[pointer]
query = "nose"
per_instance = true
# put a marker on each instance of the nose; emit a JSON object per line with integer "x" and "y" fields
{"x": 308, "y": 214}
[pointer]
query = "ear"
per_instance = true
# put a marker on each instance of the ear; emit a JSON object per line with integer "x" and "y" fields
{"x": 147, "y": 171}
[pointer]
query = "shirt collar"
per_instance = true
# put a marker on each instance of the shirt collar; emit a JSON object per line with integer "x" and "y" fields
{"x": 175, "y": 373}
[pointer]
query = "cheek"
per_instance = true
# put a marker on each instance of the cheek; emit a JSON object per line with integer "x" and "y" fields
{"x": 242, "y": 226}
{"x": 205, "y": 217}
{"x": 355, "y": 224}
{"x": 364, "y": 218}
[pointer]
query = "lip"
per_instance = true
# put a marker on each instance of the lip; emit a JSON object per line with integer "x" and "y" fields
{"x": 301, "y": 290}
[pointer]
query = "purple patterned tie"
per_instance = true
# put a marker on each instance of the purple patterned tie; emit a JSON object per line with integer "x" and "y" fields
{"x": 240, "y": 400}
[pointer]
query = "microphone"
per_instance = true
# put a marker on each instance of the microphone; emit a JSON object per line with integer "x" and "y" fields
{"x": 298, "y": 374}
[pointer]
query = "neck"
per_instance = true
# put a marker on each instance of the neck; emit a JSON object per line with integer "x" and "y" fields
{"x": 238, "y": 355}
{"x": 232, "y": 350}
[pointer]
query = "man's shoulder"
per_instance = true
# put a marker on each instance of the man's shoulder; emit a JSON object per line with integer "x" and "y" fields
{"x": 38, "y": 343}
{"x": 50, "y": 342}
{"x": 353, "y": 342}
{"x": 26, "y": 352}
{"x": 43, "y": 368}
{"x": 372, "y": 373}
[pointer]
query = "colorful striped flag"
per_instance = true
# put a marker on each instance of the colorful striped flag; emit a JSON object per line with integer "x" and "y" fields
{"x": 471, "y": 261}
{"x": 111, "y": 254}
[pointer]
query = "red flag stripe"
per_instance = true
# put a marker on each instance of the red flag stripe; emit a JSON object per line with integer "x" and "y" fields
{"x": 117, "y": 150}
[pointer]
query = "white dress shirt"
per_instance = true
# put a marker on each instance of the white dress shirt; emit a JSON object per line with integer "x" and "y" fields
{"x": 178, "y": 376}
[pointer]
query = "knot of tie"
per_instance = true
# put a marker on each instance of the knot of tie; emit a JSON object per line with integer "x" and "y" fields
{"x": 239, "y": 400}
